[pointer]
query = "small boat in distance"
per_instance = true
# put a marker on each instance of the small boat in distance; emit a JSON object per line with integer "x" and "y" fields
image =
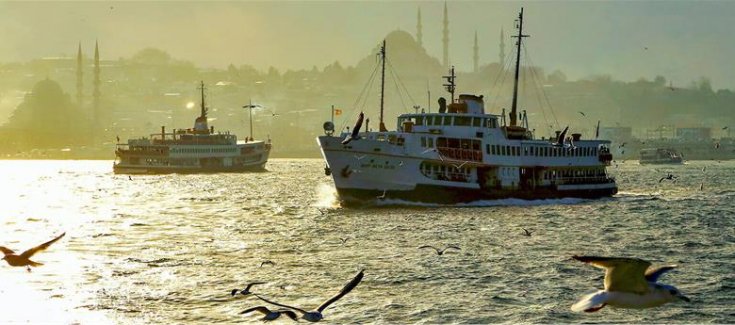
{"x": 195, "y": 150}
{"x": 660, "y": 156}
{"x": 463, "y": 154}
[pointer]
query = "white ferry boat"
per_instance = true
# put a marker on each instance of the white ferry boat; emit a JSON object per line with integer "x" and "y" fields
{"x": 195, "y": 150}
{"x": 463, "y": 154}
{"x": 660, "y": 156}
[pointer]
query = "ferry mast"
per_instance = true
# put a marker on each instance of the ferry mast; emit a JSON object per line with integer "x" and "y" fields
{"x": 204, "y": 108}
{"x": 382, "y": 87}
{"x": 520, "y": 36}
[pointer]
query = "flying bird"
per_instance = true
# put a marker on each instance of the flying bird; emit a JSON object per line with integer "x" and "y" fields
{"x": 355, "y": 131}
{"x": 560, "y": 139}
{"x": 440, "y": 251}
{"x": 668, "y": 177}
{"x": 271, "y": 314}
{"x": 629, "y": 283}
{"x": 245, "y": 291}
{"x": 344, "y": 239}
{"x": 316, "y": 315}
{"x": 582, "y": 114}
{"x": 267, "y": 262}
{"x": 460, "y": 165}
{"x": 382, "y": 196}
{"x": 724, "y": 128}
{"x": 24, "y": 258}
{"x": 526, "y": 232}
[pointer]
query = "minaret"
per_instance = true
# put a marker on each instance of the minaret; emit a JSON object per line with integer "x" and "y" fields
{"x": 96, "y": 93}
{"x": 79, "y": 75}
{"x": 476, "y": 57}
{"x": 445, "y": 38}
{"x": 502, "y": 49}
{"x": 419, "y": 34}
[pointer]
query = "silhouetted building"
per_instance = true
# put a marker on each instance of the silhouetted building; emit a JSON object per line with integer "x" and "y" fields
{"x": 96, "y": 92}
{"x": 617, "y": 134}
{"x": 80, "y": 82}
{"x": 699, "y": 133}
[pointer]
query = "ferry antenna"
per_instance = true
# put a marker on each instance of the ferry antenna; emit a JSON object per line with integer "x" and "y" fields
{"x": 520, "y": 36}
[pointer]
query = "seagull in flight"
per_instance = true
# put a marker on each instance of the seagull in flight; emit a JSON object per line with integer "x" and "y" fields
{"x": 316, "y": 315}
{"x": 526, "y": 232}
{"x": 440, "y": 251}
{"x": 344, "y": 239}
{"x": 268, "y": 262}
{"x": 629, "y": 283}
{"x": 460, "y": 165}
{"x": 271, "y": 314}
{"x": 560, "y": 139}
{"x": 582, "y": 114}
{"x": 24, "y": 258}
{"x": 382, "y": 196}
{"x": 670, "y": 177}
{"x": 245, "y": 291}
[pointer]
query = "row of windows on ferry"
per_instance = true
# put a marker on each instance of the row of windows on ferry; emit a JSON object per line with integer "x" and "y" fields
{"x": 203, "y": 150}
{"x": 500, "y": 150}
{"x": 540, "y": 151}
{"x": 448, "y": 120}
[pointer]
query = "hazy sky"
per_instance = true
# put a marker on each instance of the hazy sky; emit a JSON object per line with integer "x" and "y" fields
{"x": 684, "y": 39}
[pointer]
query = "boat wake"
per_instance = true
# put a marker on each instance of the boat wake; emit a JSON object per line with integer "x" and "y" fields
{"x": 326, "y": 196}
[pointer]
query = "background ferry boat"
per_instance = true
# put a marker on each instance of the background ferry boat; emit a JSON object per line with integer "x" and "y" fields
{"x": 463, "y": 154}
{"x": 660, "y": 156}
{"x": 196, "y": 150}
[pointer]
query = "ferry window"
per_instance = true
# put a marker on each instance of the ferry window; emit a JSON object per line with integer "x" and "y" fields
{"x": 419, "y": 120}
{"x": 594, "y": 151}
{"x": 441, "y": 142}
{"x": 462, "y": 120}
{"x": 487, "y": 148}
{"x": 447, "y": 120}
{"x": 476, "y": 122}
{"x": 431, "y": 142}
{"x": 507, "y": 150}
{"x": 437, "y": 120}
{"x": 423, "y": 142}
{"x": 465, "y": 144}
{"x": 475, "y": 145}
{"x": 492, "y": 150}
{"x": 525, "y": 151}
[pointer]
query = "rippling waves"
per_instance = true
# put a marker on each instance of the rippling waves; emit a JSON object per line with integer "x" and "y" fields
{"x": 168, "y": 249}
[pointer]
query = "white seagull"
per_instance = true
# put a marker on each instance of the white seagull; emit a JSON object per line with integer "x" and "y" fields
{"x": 316, "y": 315}
{"x": 629, "y": 283}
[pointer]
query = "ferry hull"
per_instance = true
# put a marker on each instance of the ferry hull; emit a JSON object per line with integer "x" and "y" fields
{"x": 186, "y": 170}
{"x": 456, "y": 195}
